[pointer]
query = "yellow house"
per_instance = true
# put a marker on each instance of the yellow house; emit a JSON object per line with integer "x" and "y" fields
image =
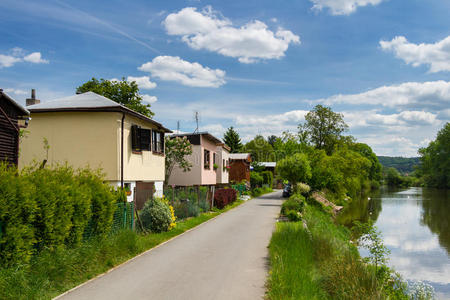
{"x": 91, "y": 130}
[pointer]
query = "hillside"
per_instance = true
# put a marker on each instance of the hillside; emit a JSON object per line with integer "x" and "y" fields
{"x": 402, "y": 164}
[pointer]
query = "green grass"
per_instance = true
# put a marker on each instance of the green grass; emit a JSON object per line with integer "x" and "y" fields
{"x": 319, "y": 264}
{"x": 52, "y": 272}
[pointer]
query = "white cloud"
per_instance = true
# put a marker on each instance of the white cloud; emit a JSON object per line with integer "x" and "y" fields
{"x": 173, "y": 68}
{"x": 419, "y": 95}
{"x": 16, "y": 91}
{"x": 149, "y": 99}
{"x": 8, "y": 60}
{"x": 342, "y": 7}
{"x": 436, "y": 55}
{"x": 208, "y": 30}
{"x": 35, "y": 58}
{"x": 143, "y": 82}
{"x": 18, "y": 55}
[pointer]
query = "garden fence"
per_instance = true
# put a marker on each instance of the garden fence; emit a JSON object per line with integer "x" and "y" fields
{"x": 189, "y": 201}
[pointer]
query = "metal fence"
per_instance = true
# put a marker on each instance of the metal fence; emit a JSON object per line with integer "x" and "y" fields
{"x": 189, "y": 201}
{"x": 123, "y": 217}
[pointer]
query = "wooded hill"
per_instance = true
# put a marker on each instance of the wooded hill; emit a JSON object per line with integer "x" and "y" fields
{"x": 402, "y": 164}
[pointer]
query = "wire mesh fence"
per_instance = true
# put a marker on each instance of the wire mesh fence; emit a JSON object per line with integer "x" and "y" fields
{"x": 189, "y": 201}
{"x": 123, "y": 217}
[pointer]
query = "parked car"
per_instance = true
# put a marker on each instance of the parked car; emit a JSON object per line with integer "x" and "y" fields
{"x": 287, "y": 190}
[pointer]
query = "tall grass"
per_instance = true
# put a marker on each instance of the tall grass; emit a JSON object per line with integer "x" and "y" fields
{"x": 318, "y": 262}
{"x": 52, "y": 272}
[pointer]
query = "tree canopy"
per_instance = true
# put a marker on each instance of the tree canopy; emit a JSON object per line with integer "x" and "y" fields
{"x": 176, "y": 151}
{"x": 231, "y": 139}
{"x": 435, "y": 167}
{"x": 295, "y": 168}
{"x": 260, "y": 149}
{"x": 123, "y": 92}
{"x": 323, "y": 128}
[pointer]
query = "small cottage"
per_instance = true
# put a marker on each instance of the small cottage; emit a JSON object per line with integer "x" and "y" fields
{"x": 240, "y": 167}
{"x": 12, "y": 117}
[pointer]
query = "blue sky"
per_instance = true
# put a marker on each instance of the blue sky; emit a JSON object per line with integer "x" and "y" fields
{"x": 258, "y": 66}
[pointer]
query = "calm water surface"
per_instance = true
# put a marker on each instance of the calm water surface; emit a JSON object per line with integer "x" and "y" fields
{"x": 415, "y": 226}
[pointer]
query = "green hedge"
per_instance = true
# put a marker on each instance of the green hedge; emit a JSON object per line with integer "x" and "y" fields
{"x": 45, "y": 208}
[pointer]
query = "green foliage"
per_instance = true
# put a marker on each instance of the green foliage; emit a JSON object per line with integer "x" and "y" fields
{"x": 260, "y": 149}
{"x": 49, "y": 208}
{"x": 293, "y": 216}
{"x": 303, "y": 188}
{"x": 156, "y": 216}
{"x": 267, "y": 177}
{"x": 122, "y": 91}
{"x": 256, "y": 179}
{"x": 323, "y": 128}
{"x": 394, "y": 178}
{"x": 295, "y": 203}
{"x": 402, "y": 164}
{"x": 375, "y": 169}
{"x": 260, "y": 191}
{"x": 435, "y": 158}
{"x": 176, "y": 152}
{"x": 231, "y": 139}
{"x": 295, "y": 168}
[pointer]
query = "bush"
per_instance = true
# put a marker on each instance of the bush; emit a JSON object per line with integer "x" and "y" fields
{"x": 303, "y": 188}
{"x": 223, "y": 197}
{"x": 156, "y": 216}
{"x": 293, "y": 216}
{"x": 267, "y": 177}
{"x": 256, "y": 179}
{"x": 51, "y": 207}
{"x": 294, "y": 203}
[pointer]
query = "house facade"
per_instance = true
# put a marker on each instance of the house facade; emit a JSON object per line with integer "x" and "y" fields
{"x": 10, "y": 115}
{"x": 206, "y": 150}
{"x": 240, "y": 167}
{"x": 91, "y": 130}
{"x": 222, "y": 160}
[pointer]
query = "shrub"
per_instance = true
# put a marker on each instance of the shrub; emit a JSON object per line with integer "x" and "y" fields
{"x": 267, "y": 177}
{"x": 256, "y": 180}
{"x": 223, "y": 197}
{"x": 256, "y": 192}
{"x": 303, "y": 188}
{"x": 293, "y": 215}
{"x": 156, "y": 216}
{"x": 294, "y": 203}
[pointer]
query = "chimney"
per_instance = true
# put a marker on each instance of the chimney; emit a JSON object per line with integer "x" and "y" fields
{"x": 33, "y": 100}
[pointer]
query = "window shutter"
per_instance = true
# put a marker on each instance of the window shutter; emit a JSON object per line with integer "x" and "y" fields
{"x": 162, "y": 142}
{"x": 135, "y": 138}
{"x": 145, "y": 139}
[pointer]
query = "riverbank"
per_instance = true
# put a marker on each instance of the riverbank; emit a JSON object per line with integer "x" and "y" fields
{"x": 319, "y": 261}
{"x": 53, "y": 272}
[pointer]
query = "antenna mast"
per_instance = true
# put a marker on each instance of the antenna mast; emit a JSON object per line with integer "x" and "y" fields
{"x": 178, "y": 127}
{"x": 196, "y": 116}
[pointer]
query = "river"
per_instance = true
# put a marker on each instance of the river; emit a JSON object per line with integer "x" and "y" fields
{"x": 415, "y": 225}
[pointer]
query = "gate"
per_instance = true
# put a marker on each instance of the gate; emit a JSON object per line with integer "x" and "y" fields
{"x": 144, "y": 191}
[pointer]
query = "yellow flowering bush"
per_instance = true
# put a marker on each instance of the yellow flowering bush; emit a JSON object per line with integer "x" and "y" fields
{"x": 173, "y": 218}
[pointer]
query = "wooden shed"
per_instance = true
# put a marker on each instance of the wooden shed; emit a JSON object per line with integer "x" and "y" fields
{"x": 10, "y": 114}
{"x": 240, "y": 167}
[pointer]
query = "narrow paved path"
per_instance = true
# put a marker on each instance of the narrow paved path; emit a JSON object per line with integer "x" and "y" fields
{"x": 226, "y": 258}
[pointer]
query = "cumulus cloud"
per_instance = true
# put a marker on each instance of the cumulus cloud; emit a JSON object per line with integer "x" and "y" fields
{"x": 208, "y": 30}
{"x": 18, "y": 55}
{"x": 173, "y": 68}
{"x": 436, "y": 55}
{"x": 149, "y": 99}
{"x": 342, "y": 7}
{"x": 143, "y": 82}
{"x": 418, "y": 95}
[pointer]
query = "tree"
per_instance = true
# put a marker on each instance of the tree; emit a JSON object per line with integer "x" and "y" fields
{"x": 176, "y": 150}
{"x": 272, "y": 139}
{"x": 375, "y": 169}
{"x": 232, "y": 140}
{"x": 123, "y": 92}
{"x": 260, "y": 149}
{"x": 323, "y": 127}
{"x": 435, "y": 160}
{"x": 295, "y": 169}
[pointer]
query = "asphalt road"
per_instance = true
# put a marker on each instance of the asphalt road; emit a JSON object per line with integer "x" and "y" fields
{"x": 225, "y": 258}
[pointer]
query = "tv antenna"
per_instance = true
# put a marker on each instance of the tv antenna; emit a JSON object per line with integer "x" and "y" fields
{"x": 178, "y": 127}
{"x": 197, "y": 118}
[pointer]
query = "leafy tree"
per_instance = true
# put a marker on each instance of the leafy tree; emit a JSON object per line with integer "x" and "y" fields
{"x": 435, "y": 160}
{"x": 232, "y": 140}
{"x": 295, "y": 168}
{"x": 323, "y": 128}
{"x": 176, "y": 150}
{"x": 271, "y": 140}
{"x": 375, "y": 168}
{"x": 123, "y": 92}
{"x": 260, "y": 149}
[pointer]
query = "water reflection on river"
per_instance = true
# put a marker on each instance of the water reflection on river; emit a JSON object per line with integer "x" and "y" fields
{"x": 415, "y": 226}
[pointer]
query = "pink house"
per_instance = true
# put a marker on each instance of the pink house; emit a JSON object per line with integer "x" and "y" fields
{"x": 207, "y": 160}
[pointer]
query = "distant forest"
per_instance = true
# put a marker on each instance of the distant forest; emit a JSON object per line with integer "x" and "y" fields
{"x": 402, "y": 164}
